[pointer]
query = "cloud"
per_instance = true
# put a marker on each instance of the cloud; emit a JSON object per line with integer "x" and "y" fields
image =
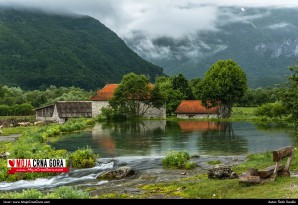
{"x": 279, "y": 25}
{"x": 155, "y": 19}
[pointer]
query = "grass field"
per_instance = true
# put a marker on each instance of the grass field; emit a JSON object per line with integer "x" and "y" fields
{"x": 244, "y": 113}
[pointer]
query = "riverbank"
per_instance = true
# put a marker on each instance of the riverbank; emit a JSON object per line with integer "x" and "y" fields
{"x": 151, "y": 181}
{"x": 195, "y": 184}
{"x": 149, "y": 171}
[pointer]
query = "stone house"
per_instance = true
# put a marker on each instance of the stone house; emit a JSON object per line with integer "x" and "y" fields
{"x": 63, "y": 110}
{"x": 102, "y": 97}
{"x": 194, "y": 109}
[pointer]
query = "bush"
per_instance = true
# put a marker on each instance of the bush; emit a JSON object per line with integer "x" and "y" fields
{"x": 190, "y": 165}
{"x": 74, "y": 124}
{"x": 177, "y": 160}
{"x": 271, "y": 110}
{"x": 25, "y": 194}
{"x": 82, "y": 158}
{"x": 68, "y": 193}
{"x": 112, "y": 114}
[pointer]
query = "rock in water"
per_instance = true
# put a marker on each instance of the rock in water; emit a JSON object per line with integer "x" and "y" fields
{"x": 222, "y": 172}
{"x": 119, "y": 173}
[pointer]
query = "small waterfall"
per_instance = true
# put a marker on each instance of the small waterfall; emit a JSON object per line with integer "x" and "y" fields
{"x": 73, "y": 177}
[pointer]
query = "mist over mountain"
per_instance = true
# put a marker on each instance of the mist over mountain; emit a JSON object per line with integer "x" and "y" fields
{"x": 39, "y": 49}
{"x": 264, "y": 41}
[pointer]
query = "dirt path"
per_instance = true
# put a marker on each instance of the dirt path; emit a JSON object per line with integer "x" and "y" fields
{"x": 9, "y": 138}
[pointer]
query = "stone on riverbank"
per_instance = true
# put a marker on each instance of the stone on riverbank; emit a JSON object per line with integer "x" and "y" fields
{"x": 4, "y": 155}
{"x": 222, "y": 172}
{"x": 119, "y": 173}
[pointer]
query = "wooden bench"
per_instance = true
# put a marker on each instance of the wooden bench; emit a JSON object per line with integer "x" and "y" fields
{"x": 255, "y": 176}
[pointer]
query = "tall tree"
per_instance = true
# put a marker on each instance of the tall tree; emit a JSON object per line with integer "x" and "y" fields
{"x": 290, "y": 97}
{"x": 224, "y": 83}
{"x": 173, "y": 97}
{"x": 135, "y": 95}
{"x": 181, "y": 84}
{"x": 2, "y": 92}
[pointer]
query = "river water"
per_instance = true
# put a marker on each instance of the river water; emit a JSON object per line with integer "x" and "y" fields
{"x": 156, "y": 137}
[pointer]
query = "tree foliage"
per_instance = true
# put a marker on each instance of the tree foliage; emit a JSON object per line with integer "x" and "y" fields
{"x": 135, "y": 95}
{"x": 272, "y": 110}
{"x": 259, "y": 96}
{"x": 290, "y": 96}
{"x": 173, "y": 97}
{"x": 15, "y": 101}
{"x": 181, "y": 84}
{"x": 224, "y": 84}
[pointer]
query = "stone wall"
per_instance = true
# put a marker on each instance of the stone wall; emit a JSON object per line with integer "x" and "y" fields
{"x": 150, "y": 113}
{"x": 196, "y": 116}
{"x": 156, "y": 113}
{"x": 97, "y": 105}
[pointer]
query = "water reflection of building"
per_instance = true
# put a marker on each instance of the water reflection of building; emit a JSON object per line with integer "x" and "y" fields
{"x": 105, "y": 141}
{"x": 192, "y": 126}
{"x": 127, "y": 135}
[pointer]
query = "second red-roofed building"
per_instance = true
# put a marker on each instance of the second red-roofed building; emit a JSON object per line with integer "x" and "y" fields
{"x": 195, "y": 109}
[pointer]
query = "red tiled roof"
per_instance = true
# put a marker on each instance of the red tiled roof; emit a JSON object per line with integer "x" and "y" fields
{"x": 194, "y": 107}
{"x": 105, "y": 93}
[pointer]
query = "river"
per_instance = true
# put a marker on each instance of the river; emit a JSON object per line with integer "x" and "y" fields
{"x": 141, "y": 145}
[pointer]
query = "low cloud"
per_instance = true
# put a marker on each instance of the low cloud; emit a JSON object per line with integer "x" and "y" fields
{"x": 155, "y": 19}
{"x": 152, "y": 17}
{"x": 279, "y": 25}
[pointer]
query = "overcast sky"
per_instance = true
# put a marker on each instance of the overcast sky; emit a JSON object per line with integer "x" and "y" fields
{"x": 154, "y": 18}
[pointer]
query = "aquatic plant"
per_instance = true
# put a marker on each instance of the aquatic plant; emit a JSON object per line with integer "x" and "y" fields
{"x": 177, "y": 160}
{"x": 82, "y": 158}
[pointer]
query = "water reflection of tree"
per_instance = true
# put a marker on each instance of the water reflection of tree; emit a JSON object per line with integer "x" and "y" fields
{"x": 294, "y": 135}
{"x": 270, "y": 125}
{"x": 223, "y": 141}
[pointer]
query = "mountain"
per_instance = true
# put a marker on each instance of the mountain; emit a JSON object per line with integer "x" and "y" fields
{"x": 264, "y": 41}
{"x": 39, "y": 49}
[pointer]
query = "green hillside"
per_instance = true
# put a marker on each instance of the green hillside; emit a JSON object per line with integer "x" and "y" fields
{"x": 39, "y": 49}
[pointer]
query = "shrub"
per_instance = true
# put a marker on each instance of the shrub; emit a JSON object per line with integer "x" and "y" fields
{"x": 190, "y": 165}
{"x": 112, "y": 114}
{"x": 271, "y": 110}
{"x": 65, "y": 192}
{"x": 74, "y": 124}
{"x": 25, "y": 194}
{"x": 83, "y": 158}
{"x": 177, "y": 160}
